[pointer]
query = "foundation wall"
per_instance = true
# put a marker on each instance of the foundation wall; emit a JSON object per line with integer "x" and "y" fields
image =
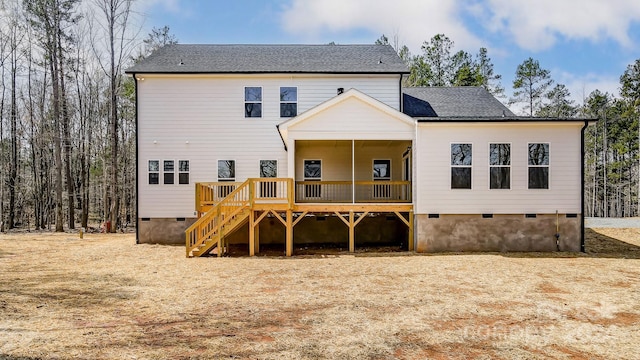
{"x": 499, "y": 233}
{"x": 320, "y": 230}
{"x": 166, "y": 231}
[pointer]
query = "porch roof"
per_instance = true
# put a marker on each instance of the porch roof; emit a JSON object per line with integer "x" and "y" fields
{"x": 352, "y": 115}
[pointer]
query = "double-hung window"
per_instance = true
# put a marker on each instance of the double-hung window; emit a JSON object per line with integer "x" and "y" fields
{"x": 154, "y": 172}
{"x": 461, "y": 166}
{"x": 538, "y": 165}
{"x": 183, "y": 172}
{"x": 499, "y": 166}
{"x": 252, "y": 101}
{"x": 169, "y": 172}
{"x": 288, "y": 101}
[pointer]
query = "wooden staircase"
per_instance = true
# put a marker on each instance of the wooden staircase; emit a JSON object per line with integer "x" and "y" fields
{"x": 208, "y": 234}
{"x": 225, "y": 215}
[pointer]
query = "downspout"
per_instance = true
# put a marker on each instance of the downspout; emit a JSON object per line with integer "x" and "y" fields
{"x": 135, "y": 82}
{"x": 400, "y": 94}
{"x": 582, "y": 247}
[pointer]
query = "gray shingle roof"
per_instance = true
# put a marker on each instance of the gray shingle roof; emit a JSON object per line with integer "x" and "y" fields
{"x": 459, "y": 101}
{"x": 183, "y": 58}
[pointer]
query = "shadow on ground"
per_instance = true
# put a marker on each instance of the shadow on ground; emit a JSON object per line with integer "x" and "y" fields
{"x": 596, "y": 246}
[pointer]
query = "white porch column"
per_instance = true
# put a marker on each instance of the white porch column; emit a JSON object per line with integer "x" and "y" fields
{"x": 291, "y": 159}
{"x": 353, "y": 171}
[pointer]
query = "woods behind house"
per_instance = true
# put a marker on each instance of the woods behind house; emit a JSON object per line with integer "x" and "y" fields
{"x": 67, "y": 112}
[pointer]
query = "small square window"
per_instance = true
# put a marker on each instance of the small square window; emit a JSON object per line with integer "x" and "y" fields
{"x": 226, "y": 170}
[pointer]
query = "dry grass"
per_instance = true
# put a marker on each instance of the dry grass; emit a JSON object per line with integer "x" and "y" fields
{"x": 105, "y": 298}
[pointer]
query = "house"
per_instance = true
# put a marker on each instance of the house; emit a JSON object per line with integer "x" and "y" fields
{"x": 295, "y": 144}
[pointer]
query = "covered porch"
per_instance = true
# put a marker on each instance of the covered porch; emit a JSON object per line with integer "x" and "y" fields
{"x": 353, "y": 171}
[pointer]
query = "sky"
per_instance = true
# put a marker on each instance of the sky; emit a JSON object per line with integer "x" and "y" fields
{"x": 585, "y": 44}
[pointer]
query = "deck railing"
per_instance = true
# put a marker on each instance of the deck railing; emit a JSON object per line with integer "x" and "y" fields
{"x": 343, "y": 191}
{"x": 241, "y": 196}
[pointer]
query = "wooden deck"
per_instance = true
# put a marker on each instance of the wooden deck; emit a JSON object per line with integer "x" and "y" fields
{"x": 225, "y": 206}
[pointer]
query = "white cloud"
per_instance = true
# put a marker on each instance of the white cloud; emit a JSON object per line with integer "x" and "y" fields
{"x": 537, "y": 25}
{"x": 413, "y": 20}
{"x": 582, "y": 85}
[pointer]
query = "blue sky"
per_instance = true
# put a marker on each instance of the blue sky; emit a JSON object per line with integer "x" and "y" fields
{"x": 585, "y": 44}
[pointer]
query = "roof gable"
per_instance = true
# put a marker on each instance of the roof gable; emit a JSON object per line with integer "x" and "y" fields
{"x": 191, "y": 58}
{"x": 350, "y": 115}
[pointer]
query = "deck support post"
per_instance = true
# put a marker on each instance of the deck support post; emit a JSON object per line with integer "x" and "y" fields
{"x": 411, "y": 231}
{"x": 352, "y": 237}
{"x": 252, "y": 233}
{"x": 289, "y": 231}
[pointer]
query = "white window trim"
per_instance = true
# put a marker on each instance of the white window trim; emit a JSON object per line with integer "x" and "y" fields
{"x": 288, "y": 102}
{"x": 460, "y": 166}
{"x": 509, "y": 166}
{"x": 154, "y": 172}
{"x": 373, "y": 161}
{"x": 548, "y": 166}
{"x": 173, "y": 172}
{"x": 183, "y": 172}
{"x": 234, "y": 170}
{"x": 245, "y": 102}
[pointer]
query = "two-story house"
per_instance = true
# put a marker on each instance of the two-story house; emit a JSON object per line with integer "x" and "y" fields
{"x": 294, "y": 144}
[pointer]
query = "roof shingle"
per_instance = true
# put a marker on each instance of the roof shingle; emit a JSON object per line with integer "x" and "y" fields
{"x": 352, "y": 59}
{"x": 457, "y": 101}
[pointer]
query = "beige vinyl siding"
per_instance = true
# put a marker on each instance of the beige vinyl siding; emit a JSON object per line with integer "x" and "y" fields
{"x": 352, "y": 118}
{"x": 433, "y": 173}
{"x": 201, "y": 119}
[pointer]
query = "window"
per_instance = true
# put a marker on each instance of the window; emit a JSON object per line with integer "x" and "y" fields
{"x": 268, "y": 169}
{"x": 288, "y": 101}
{"x": 539, "y": 166}
{"x": 169, "y": 170}
{"x": 252, "y": 102}
{"x": 226, "y": 170}
{"x": 183, "y": 172}
{"x": 499, "y": 166}
{"x": 154, "y": 172}
{"x": 312, "y": 172}
{"x": 381, "y": 169}
{"x": 461, "y": 166}
{"x": 382, "y": 172}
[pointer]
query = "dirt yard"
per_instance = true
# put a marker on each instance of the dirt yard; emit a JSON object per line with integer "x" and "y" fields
{"x": 104, "y": 297}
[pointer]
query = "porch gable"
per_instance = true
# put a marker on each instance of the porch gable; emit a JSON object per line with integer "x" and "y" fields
{"x": 352, "y": 115}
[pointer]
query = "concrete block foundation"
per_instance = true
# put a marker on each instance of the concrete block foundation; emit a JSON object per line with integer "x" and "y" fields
{"x": 501, "y": 233}
{"x": 380, "y": 229}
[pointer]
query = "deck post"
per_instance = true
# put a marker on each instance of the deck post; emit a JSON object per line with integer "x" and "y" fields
{"x": 352, "y": 228}
{"x": 198, "y": 200}
{"x": 252, "y": 233}
{"x": 411, "y": 231}
{"x": 289, "y": 231}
